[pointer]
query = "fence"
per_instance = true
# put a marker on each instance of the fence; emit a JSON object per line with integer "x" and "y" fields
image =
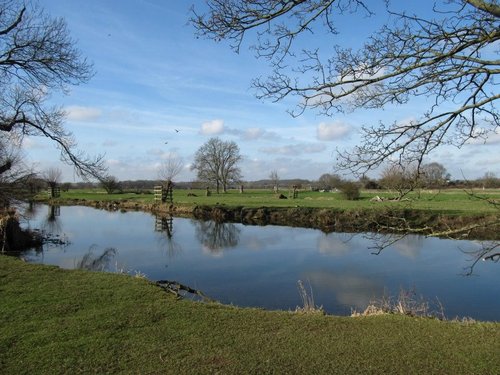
{"x": 54, "y": 192}
{"x": 164, "y": 194}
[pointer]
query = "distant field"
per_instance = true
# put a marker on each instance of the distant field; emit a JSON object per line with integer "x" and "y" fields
{"x": 448, "y": 201}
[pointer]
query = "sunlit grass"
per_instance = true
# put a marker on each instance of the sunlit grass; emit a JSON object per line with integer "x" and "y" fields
{"x": 447, "y": 201}
{"x": 56, "y": 321}
{"x": 102, "y": 195}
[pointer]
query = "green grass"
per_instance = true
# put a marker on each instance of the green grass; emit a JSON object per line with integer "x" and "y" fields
{"x": 101, "y": 195}
{"x": 54, "y": 321}
{"x": 453, "y": 202}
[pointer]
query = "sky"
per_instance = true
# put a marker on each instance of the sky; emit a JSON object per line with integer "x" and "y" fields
{"x": 159, "y": 91}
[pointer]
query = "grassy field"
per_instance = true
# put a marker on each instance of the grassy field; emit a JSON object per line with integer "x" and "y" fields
{"x": 453, "y": 202}
{"x": 56, "y": 321}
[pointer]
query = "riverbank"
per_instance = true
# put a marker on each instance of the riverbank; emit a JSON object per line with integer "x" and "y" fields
{"x": 451, "y": 214}
{"x": 59, "y": 321}
{"x": 484, "y": 227}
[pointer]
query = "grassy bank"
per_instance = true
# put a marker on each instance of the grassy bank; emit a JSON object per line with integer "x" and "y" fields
{"x": 451, "y": 202}
{"x": 57, "y": 321}
{"x": 452, "y": 213}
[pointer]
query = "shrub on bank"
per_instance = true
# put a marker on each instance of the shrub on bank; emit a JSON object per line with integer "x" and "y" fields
{"x": 350, "y": 190}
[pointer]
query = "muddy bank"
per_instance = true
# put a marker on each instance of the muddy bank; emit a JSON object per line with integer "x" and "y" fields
{"x": 335, "y": 220}
{"x": 390, "y": 220}
{"x": 126, "y": 205}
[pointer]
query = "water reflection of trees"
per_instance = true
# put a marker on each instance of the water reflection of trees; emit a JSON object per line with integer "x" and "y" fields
{"x": 30, "y": 210}
{"x": 406, "y": 244}
{"x": 92, "y": 262}
{"x": 340, "y": 243}
{"x": 488, "y": 251}
{"x": 482, "y": 251}
{"x": 50, "y": 230}
{"x": 165, "y": 226}
{"x": 216, "y": 236}
{"x": 381, "y": 241}
{"x": 52, "y": 222}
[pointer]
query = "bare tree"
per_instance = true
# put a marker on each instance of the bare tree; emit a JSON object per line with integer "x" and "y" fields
{"x": 110, "y": 184}
{"x": 329, "y": 181}
{"x": 37, "y": 57}
{"x": 434, "y": 175}
{"x": 275, "y": 179}
{"x": 400, "y": 179}
{"x": 15, "y": 175}
{"x": 489, "y": 180}
{"x": 53, "y": 177}
{"x": 170, "y": 167}
{"x": 217, "y": 162}
{"x": 449, "y": 55}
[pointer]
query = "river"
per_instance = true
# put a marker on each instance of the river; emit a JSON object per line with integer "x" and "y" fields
{"x": 260, "y": 266}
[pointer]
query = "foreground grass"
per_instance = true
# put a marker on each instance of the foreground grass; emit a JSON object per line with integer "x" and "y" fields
{"x": 56, "y": 321}
{"x": 450, "y": 202}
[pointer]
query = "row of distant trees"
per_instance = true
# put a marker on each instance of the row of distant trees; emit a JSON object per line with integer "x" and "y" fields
{"x": 400, "y": 181}
{"x": 217, "y": 165}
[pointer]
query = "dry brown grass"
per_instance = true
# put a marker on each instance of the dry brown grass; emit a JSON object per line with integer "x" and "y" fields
{"x": 407, "y": 302}
{"x": 307, "y": 297}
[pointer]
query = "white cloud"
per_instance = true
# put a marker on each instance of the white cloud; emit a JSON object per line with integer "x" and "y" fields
{"x": 287, "y": 167}
{"x": 36, "y": 143}
{"x": 77, "y": 113}
{"x": 293, "y": 150}
{"x": 212, "y": 127}
{"x": 253, "y": 134}
{"x": 330, "y": 132}
{"x": 332, "y": 244}
{"x": 493, "y": 139}
{"x": 487, "y": 137}
{"x": 114, "y": 162}
{"x": 348, "y": 288}
{"x": 109, "y": 143}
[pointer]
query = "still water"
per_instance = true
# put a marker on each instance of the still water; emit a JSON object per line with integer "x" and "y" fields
{"x": 260, "y": 266}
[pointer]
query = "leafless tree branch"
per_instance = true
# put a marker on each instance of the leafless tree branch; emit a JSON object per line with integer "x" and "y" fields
{"x": 449, "y": 58}
{"x": 37, "y": 57}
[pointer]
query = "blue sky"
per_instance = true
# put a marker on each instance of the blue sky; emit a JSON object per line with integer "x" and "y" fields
{"x": 154, "y": 76}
